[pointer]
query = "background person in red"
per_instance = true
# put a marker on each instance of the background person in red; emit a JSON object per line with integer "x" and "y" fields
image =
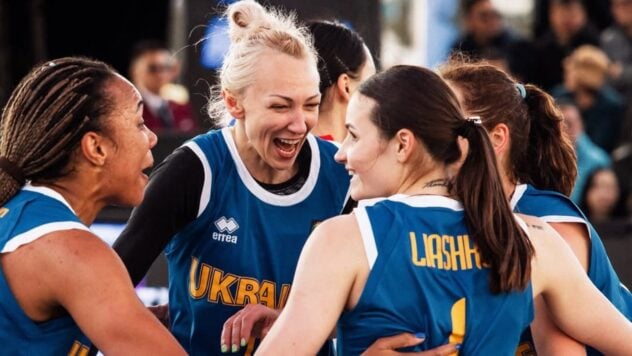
{"x": 152, "y": 70}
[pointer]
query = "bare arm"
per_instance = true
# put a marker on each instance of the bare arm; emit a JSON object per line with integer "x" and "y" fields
{"x": 576, "y": 236}
{"x": 575, "y": 304}
{"x": 86, "y": 278}
{"x": 304, "y": 324}
{"x": 550, "y": 340}
{"x": 548, "y": 337}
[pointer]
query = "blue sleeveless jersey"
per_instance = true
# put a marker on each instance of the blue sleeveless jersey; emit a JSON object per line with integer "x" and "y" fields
{"x": 554, "y": 207}
{"x": 245, "y": 243}
{"x": 32, "y": 213}
{"x": 427, "y": 276}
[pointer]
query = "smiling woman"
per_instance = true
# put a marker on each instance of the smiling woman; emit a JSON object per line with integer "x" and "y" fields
{"x": 73, "y": 141}
{"x": 437, "y": 251}
{"x": 234, "y": 207}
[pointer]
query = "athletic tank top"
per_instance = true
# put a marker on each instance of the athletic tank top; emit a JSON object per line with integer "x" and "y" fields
{"x": 427, "y": 276}
{"x": 32, "y": 213}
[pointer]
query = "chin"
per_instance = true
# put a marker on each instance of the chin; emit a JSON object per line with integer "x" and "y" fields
{"x": 282, "y": 165}
{"x": 357, "y": 195}
{"x": 360, "y": 194}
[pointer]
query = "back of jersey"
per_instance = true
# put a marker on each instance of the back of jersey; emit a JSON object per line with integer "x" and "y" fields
{"x": 427, "y": 276}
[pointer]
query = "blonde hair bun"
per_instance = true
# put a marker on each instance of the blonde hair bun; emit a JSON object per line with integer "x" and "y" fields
{"x": 245, "y": 18}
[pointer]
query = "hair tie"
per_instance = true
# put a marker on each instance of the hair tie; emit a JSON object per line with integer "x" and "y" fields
{"x": 468, "y": 126}
{"x": 521, "y": 90}
{"x": 474, "y": 119}
{"x": 14, "y": 171}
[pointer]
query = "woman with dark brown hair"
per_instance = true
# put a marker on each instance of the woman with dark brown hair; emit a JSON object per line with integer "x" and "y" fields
{"x": 538, "y": 168}
{"x": 443, "y": 254}
{"x": 344, "y": 62}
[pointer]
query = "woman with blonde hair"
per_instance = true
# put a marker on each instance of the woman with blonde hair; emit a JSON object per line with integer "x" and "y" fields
{"x": 232, "y": 208}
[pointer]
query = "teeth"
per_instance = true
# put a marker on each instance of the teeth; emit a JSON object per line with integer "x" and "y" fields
{"x": 289, "y": 142}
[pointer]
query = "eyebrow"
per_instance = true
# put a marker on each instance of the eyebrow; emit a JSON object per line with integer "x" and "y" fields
{"x": 139, "y": 105}
{"x": 291, "y": 100}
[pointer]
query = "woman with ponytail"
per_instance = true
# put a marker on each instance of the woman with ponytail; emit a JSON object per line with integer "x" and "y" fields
{"x": 344, "y": 62}
{"x": 538, "y": 169}
{"x": 232, "y": 208}
{"x": 443, "y": 254}
{"x": 73, "y": 141}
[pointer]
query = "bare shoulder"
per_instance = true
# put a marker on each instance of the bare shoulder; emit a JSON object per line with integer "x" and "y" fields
{"x": 68, "y": 247}
{"x": 533, "y": 222}
{"x": 339, "y": 235}
{"x": 341, "y": 223}
{"x": 538, "y": 230}
{"x": 552, "y": 254}
{"x": 68, "y": 257}
{"x": 72, "y": 260}
{"x": 338, "y": 231}
{"x": 545, "y": 240}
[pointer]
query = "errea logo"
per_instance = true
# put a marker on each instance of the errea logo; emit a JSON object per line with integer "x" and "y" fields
{"x": 226, "y": 225}
{"x": 226, "y": 228}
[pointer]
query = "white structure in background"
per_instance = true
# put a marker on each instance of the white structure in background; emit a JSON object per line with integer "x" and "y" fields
{"x": 421, "y": 32}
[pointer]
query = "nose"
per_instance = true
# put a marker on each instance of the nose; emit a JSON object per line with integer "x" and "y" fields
{"x": 153, "y": 139}
{"x": 298, "y": 123}
{"x": 341, "y": 154}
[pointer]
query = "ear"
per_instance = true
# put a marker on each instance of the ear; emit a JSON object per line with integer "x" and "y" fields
{"x": 405, "y": 144}
{"x": 95, "y": 148}
{"x": 233, "y": 105}
{"x": 499, "y": 136}
{"x": 342, "y": 87}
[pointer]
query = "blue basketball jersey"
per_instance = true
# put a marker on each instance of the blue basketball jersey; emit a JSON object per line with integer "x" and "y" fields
{"x": 32, "y": 213}
{"x": 245, "y": 243}
{"x": 427, "y": 276}
{"x": 554, "y": 207}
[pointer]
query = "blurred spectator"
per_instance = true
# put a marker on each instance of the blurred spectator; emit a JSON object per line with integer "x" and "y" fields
{"x": 569, "y": 29}
{"x": 616, "y": 41}
{"x": 483, "y": 26}
{"x": 602, "y": 108}
{"x": 598, "y": 12}
{"x": 603, "y": 199}
{"x": 590, "y": 157}
{"x": 622, "y": 163}
{"x": 497, "y": 58}
{"x": 153, "y": 69}
{"x": 486, "y": 37}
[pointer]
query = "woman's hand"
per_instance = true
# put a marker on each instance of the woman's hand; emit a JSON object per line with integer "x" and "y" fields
{"x": 387, "y": 346}
{"x": 254, "y": 320}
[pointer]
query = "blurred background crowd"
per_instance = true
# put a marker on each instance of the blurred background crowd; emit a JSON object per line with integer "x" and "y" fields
{"x": 580, "y": 51}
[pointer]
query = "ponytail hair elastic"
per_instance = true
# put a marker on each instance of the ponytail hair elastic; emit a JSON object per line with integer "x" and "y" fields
{"x": 521, "y": 90}
{"x": 468, "y": 126}
{"x": 474, "y": 119}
